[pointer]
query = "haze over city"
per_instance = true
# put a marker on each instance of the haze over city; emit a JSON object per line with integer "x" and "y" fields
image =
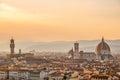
{"x": 59, "y": 39}
{"x": 59, "y": 20}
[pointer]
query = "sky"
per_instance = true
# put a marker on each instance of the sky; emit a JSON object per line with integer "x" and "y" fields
{"x": 59, "y": 20}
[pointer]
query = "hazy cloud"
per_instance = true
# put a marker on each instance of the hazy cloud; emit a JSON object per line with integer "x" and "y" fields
{"x": 6, "y": 7}
{"x": 65, "y": 19}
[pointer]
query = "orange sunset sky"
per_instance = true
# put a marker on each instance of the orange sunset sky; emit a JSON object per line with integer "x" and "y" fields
{"x": 56, "y": 20}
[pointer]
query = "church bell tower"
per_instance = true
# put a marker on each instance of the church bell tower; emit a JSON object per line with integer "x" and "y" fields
{"x": 76, "y": 51}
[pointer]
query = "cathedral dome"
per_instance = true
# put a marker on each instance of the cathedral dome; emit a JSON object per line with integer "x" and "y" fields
{"x": 102, "y": 48}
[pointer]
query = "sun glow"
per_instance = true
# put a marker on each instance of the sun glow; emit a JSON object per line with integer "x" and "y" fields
{"x": 50, "y": 20}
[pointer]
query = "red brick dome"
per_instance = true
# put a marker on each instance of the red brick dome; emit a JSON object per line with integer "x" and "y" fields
{"x": 102, "y": 48}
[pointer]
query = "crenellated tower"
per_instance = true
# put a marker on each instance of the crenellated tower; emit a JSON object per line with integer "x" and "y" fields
{"x": 12, "y": 46}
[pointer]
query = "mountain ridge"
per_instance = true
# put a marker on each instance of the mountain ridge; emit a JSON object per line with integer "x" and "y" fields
{"x": 61, "y": 46}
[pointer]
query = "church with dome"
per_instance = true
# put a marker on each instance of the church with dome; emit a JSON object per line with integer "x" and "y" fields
{"x": 102, "y": 52}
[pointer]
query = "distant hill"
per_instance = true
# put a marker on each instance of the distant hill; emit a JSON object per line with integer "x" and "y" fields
{"x": 61, "y": 46}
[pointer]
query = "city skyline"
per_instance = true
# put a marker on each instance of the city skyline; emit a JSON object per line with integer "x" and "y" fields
{"x": 59, "y": 20}
{"x": 59, "y": 40}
